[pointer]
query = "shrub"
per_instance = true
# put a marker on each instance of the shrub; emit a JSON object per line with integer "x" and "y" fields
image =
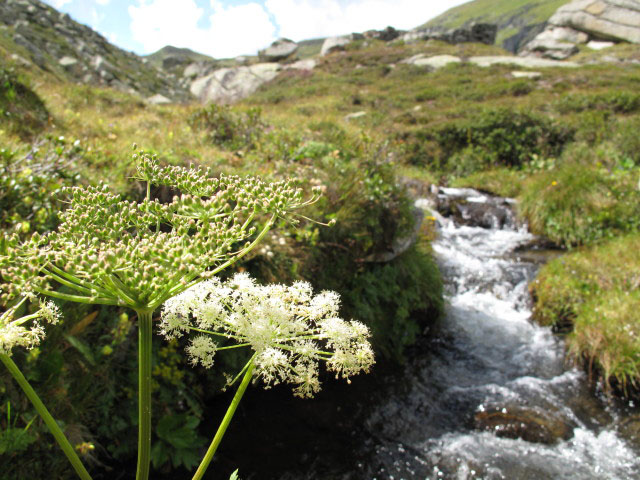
{"x": 486, "y": 139}
{"x": 618, "y": 101}
{"x": 227, "y": 128}
{"x": 503, "y": 137}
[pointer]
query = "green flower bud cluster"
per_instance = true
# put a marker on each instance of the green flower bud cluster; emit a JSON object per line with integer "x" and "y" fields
{"x": 112, "y": 251}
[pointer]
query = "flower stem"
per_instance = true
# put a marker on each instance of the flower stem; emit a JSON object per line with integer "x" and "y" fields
{"x": 225, "y": 423}
{"x": 144, "y": 394}
{"x": 46, "y": 416}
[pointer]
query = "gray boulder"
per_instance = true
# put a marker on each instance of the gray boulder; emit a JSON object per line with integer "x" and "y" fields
{"x": 524, "y": 62}
{"x": 333, "y": 44}
{"x": 387, "y": 35}
{"x": 550, "y": 49}
{"x": 279, "y": 50}
{"x": 306, "y": 65}
{"x": 583, "y": 20}
{"x": 158, "y": 100}
{"x": 228, "y": 85}
{"x": 602, "y": 19}
{"x": 434, "y": 62}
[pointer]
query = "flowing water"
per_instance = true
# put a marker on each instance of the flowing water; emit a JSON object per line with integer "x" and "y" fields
{"x": 492, "y": 377}
{"x": 488, "y": 396}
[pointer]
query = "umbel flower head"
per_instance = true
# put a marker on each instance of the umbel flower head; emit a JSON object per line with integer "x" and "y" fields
{"x": 25, "y": 331}
{"x": 289, "y": 329}
{"x": 113, "y": 251}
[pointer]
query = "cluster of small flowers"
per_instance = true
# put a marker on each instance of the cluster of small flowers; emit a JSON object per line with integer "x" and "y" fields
{"x": 25, "y": 331}
{"x": 113, "y": 251}
{"x": 289, "y": 328}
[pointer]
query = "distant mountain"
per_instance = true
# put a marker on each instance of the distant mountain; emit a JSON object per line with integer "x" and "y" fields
{"x": 32, "y": 32}
{"x": 170, "y": 57}
{"x": 519, "y": 21}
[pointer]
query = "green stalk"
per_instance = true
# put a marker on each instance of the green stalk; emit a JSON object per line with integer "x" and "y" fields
{"x": 225, "y": 423}
{"x": 46, "y": 416}
{"x": 144, "y": 394}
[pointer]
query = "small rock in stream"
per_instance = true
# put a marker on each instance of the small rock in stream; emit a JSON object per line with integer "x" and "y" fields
{"x": 525, "y": 423}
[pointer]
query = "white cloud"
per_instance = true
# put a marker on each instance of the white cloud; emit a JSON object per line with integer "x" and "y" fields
{"x": 233, "y": 30}
{"x": 303, "y": 19}
{"x": 102, "y": 2}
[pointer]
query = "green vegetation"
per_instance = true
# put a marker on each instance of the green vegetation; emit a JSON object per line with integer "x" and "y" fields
{"x": 593, "y": 293}
{"x": 21, "y": 110}
{"x": 495, "y": 11}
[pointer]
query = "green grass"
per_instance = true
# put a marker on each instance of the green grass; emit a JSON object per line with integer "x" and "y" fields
{"x": 497, "y": 11}
{"x": 594, "y": 295}
{"x": 588, "y": 197}
{"x": 504, "y": 182}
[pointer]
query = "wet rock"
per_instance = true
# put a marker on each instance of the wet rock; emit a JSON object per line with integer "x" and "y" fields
{"x": 630, "y": 430}
{"x": 528, "y": 424}
{"x": 470, "y": 207}
{"x": 279, "y": 50}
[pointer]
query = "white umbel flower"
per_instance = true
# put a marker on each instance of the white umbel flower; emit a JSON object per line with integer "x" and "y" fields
{"x": 26, "y": 331}
{"x": 289, "y": 329}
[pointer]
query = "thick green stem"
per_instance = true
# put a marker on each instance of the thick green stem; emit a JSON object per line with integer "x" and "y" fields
{"x": 225, "y": 423}
{"x": 144, "y": 394}
{"x": 46, "y": 416}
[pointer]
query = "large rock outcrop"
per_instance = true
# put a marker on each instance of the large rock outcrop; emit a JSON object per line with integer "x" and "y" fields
{"x": 617, "y": 20}
{"x": 582, "y": 21}
{"x": 228, "y": 85}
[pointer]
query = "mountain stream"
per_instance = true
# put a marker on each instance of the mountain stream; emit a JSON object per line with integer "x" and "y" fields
{"x": 489, "y": 396}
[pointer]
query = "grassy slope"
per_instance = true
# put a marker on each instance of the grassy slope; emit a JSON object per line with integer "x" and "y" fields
{"x": 497, "y": 11}
{"x": 509, "y": 15}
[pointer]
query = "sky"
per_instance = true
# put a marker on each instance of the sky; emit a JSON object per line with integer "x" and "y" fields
{"x": 225, "y": 28}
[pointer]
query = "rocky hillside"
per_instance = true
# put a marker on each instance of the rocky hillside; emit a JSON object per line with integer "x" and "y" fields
{"x": 518, "y": 21}
{"x": 33, "y": 33}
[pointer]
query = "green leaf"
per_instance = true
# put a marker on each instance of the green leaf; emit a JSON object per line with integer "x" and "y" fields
{"x": 234, "y": 476}
{"x": 83, "y": 348}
